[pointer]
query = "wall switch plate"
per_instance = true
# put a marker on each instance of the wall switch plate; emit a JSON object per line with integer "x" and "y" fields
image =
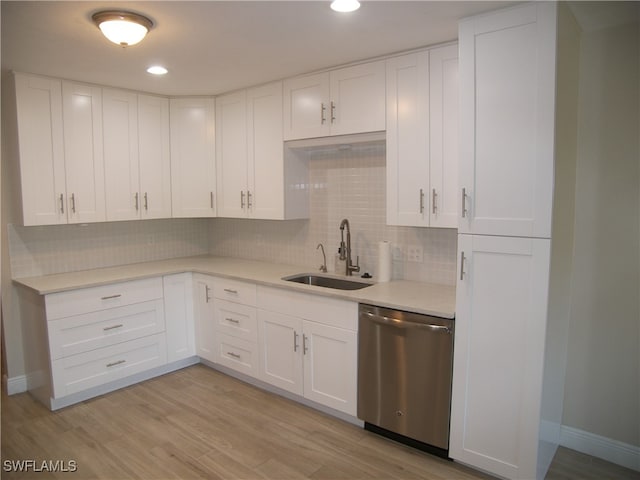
{"x": 396, "y": 253}
{"x": 414, "y": 253}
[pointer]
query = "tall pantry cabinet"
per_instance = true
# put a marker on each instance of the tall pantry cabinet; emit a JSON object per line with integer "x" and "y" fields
{"x": 507, "y": 119}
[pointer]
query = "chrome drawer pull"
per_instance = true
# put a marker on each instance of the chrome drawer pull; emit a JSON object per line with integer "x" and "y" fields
{"x": 462, "y": 259}
{"x": 111, "y": 297}
{"x": 305, "y": 349}
{"x": 113, "y": 327}
{"x": 228, "y": 290}
{"x": 113, "y": 364}
{"x": 295, "y": 341}
{"x": 234, "y": 355}
{"x": 233, "y": 320}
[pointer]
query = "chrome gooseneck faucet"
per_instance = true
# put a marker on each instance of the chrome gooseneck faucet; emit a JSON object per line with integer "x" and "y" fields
{"x": 345, "y": 250}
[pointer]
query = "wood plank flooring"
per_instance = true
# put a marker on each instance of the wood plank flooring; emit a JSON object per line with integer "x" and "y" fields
{"x": 199, "y": 423}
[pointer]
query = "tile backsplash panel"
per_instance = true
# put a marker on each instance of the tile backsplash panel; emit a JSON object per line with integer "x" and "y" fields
{"x": 67, "y": 248}
{"x": 349, "y": 183}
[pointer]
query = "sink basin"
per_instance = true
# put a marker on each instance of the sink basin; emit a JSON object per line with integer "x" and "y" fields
{"x": 326, "y": 281}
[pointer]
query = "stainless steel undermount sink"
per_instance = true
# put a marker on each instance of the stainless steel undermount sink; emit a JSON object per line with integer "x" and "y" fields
{"x": 327, "y": 281}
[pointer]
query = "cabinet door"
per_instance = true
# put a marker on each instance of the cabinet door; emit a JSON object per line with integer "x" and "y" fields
{"x": 231, "y": 155}
{"x": 498, "y": 360}
{"x": 193, "y": 178}
{"x": 266, "y": 152}
{"x": 204, "y": 316}
{"x": 154, "y": 157}
{"x": 443, "y": 127}
{"x": 84, "y": 161}
{"x": 40, "y": 141}
{"x": 179, "y": 320}
{"x": 280, "y": 347}
{"x": 122, "y": 179}
{"x": 507, "y": 82}
{"x": 330, "y": 360}
{"x": 408, "y": 140}
{"x": 306, "y": 107}
{"x": 358, "y": 99}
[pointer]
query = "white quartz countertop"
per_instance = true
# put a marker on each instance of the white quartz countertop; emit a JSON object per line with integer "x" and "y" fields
{"x": 419, "y": 297}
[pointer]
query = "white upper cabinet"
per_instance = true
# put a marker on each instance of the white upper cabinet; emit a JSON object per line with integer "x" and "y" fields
{"x": 252, "y": 171}
{"x": 137, "y": 156}
{"x": 193, "y": 176}
{"x": 231, "y": 154}
{"x": 444, "y": 138}
{"x": 40, "y": 142}
{"x": 154, "y": 155}
{"x": 345, "y": 101}
{"x": 122, "y": 177}
{"x": 422, "y": 137}
{"x": 507, "y": 85}
{"x": 83, "y": 152}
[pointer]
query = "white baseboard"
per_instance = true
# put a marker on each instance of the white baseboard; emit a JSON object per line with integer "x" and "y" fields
{"x": 15, "y": 385}
{"x": 602, "y": 447}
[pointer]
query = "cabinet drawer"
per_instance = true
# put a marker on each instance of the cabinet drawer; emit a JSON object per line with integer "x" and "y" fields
{"x": 82, "y": 333}
{"x": 91, "y": 369}
{"x": 237, "y": 354}
{"x": 329, "y": 311}
{"x": 93, "y": 299}
{"x": 236, "y": 320}
{"x": 234, "y": 291}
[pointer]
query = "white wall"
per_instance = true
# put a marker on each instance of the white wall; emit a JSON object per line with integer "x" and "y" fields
{"x": 603, "y": 365}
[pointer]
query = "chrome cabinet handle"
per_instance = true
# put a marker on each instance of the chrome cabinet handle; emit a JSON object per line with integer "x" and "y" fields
{"x": 61, "y": 203}
{"x": 234, "y": 355}
{"x": 433, "y": 201}
{"x": 241, "y": 198}
{"x": 333, "y": 112}
{"x": 462, "y": 259}
{"x": 211, "y": 200}
{"x": 249, "y": 203}
{"x": 421, "y": 201}
{"x": 136, "y": 201}
{"x": 110, "y": 297}
{"x": 146, "y": 201}
{"x": 113, "y": 364}
{"x": 464, "y": 203}
{"x": 73, "y": 203}
{"x": 305, "y": 349}
{"x": 206, "y": 293}
{"x": 322, "y": 110}
{"x": 113, "y": 327}
{"x": 233, "y": 292}
{"x": 232, "y": 320}
{"x": 295, "y": 341}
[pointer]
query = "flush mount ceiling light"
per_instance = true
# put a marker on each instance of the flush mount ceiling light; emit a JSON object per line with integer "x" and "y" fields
{"x": 157, "y": 70}
{"x": 122, "y": 28}
{"x": 345, "y": 5}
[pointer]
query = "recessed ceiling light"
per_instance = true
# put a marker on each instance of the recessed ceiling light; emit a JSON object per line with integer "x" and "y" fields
{"x": 345, "y": 5}
{"x": 157, "y": 70}
{"x": 122, "y": 28}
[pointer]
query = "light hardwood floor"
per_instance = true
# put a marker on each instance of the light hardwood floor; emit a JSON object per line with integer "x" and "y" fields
{"x": 199, "y": 423}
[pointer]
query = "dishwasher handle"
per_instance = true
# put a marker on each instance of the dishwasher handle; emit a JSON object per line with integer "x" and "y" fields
{"x": 396, "y": 322}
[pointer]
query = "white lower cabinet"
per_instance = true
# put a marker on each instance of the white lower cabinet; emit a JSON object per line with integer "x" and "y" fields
{"x": 308, "y": 346}
{"x": 178, "y": 310}
{"x": 499, "y": 356}
{"x": 204, "y": 316}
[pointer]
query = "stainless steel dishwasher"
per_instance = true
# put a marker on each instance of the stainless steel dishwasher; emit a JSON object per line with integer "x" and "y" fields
{"x": 405, "y": 363}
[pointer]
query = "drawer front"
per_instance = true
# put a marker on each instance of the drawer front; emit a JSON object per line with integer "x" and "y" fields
{"x": 93, "y": 299}
{"x": 237, "y": 354}
{"x": 82, "y": 333}
{"x": 236, "y": 320}
{"x": 329, "y": 311}
{"x": 91, "y": 369}
{"x": 234, "y": 291}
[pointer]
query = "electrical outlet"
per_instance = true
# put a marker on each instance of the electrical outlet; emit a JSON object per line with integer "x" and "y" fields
{"x": 414, "y": 253}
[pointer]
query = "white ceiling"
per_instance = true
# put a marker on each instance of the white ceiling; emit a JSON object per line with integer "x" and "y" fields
{"x": 211, "y": 47}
